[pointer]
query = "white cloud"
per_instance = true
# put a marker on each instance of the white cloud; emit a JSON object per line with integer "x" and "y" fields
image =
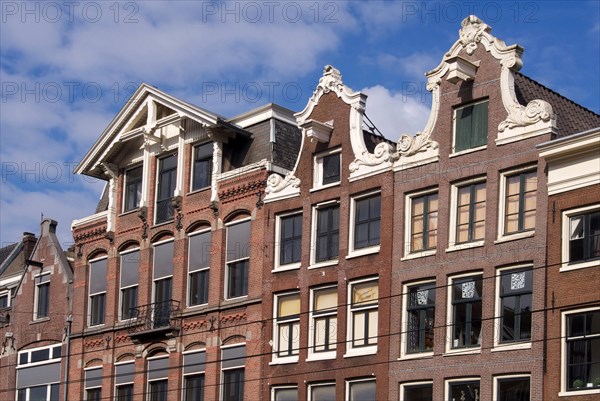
{"x": 394, "y": 113}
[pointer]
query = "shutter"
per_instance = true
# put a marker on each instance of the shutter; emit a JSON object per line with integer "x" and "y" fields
{"x": 480, "y": 125}
{"x": 462, "y": 134}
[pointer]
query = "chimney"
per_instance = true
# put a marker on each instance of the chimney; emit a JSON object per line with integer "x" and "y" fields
{"x": 29, "y": 241}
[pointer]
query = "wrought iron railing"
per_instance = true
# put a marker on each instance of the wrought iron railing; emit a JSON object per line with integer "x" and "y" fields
{"x": 164, "y": 210}
{"x": 154, "y": 316}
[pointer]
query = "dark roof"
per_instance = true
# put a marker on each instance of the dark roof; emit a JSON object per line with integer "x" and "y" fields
{"x": 571, "y": 117}
{"x": 372, "y": 140}
{"x": 103, "y": 202}
{"x": 5, "y": 252}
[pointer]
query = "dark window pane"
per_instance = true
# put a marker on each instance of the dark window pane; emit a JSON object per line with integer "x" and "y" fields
{"x": 133, "y": 188}
{"x": 97, "y": 309}
{"x": 233, "y": 385}
{"x": 39, "y": 393}
{"x": 158, "y": 390}
{"x": 40, "y": 355}
{"x": 3, "y": 301}
{"x": 167, "y": 180}
{"x": 202, "y": 166}
{"x": 199, "y": 288}
{"x": 238, "y": 241}
{"x": 516, "y": 389}
{"x": 238, "y": 279}
{"x": 125, "y": 392}
{"x": 291, "y": 239}
{"x": 584, "y": 237}
{"x": 467, "y": 391}
{"x": 199, "y": 251}
{"x": 130, "y": 263}
{"x": 98, "y": 272}
{"x": 43, "y": 301}
{"x": 94, "y": 394}
{"x": 327, "y": 233}
{"x": 194, "y": 388}
{"x": 363, "y": 391}
{"x": 323, "y": 393}
{"x": 331, "y": 168}
{"x": 285, "y": 394}
{"x": 367, "y": 219}
{"x": 419, "y": 392}
{"x": 129, "y": 303}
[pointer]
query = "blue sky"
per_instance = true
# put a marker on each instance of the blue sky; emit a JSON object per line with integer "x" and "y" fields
{"x": 66, "y": 68}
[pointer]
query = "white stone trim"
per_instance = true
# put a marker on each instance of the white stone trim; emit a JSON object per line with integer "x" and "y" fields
{"x": 319, "y": 356}
{"x": 277, "y": 267}
{"x": 502, "y": 205}
{"x": 411, "y": 384}
{"x": 404, "y": 324}
{"x": 408, "y": 199}
{"x": 496, "y": 385}
{"x": 565, "y": 235}
{"x": 89, "y": 219}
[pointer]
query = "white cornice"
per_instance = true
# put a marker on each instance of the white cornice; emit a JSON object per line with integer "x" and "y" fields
{"x": 89, "y": 219}
{"x": 264, "y": 113}
{"x": 567, "y": 146}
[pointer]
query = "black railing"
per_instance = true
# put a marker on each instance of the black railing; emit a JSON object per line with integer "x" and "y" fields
{"x": 154, "y": 316}
{"x": 164, "y": 210}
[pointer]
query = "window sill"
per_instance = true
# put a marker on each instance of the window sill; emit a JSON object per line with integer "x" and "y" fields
{"x": 321, "y": 356}
{"x": 578, "y": 392}
{"x": 137, "y": 209}
{"x": 513, "y": 237}
{"x": 324, "y": 264}
{"x": 417, "y": 255}
{"x": 421, "y": 355}
{"x": 285, "y": 268}
{"x": 284, "y": 361}
{"x": 352, "y": 352}
{"x": 580, "y": 265}
{"x": 40, "y": 320}
{"x": 462, "y": 351}
{"x": 163, "y": 223}
{"x": 511, "y": 347}
{"x": 466, "y": 245}
{"x": 234, "y": 300}
{"x": 195, "y": 191}
{"x": 466, "y": 151}
{"x": 320, "y": 187}
{"x": 363, "y": 251}
{"x": 196, "y": 307}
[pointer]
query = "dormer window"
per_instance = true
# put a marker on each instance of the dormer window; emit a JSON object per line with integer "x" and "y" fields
{"x": 167, "y": 180}
{"x": 202, "y": 173}
{"x": 327, "y": 169}
{"x": 133, "y": 189}
{"x": 470, "y": 127}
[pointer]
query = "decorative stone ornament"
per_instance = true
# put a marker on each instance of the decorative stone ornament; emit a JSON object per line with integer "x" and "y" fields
{"x": 461, "y": 70}
{"x": 316, "y": 130}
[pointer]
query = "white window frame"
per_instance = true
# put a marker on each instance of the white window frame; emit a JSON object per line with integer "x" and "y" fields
{"x": 195, "y": 147}
{"x": 452, "y": 245}
{"x": 159, "y": 160}
{"x": 313, "y": 235}
{"x": 563, "y": 355}
{"x": 116, "y": 386}
{"x": 318, "y": 169}
{"x": 184, "y": 376}
{"x": 28, "y": 390}
{"x": 351, "y": 350}
{"x": 313, "y": 385}
{"x": 404, "y": 332}
{"x": 85, "y": 389}
{"x": 227, "y": 263}
{"x": 315, "y": 356}
{"x": 274, "y": 388}
{"x": 149, "y": 381}
{"x": 448, "y": 382}
{"x": 189, "y": 274}
{"x": 277, "y": 266}
{"x": 351, "y": 381}
{"x": 408, "y": 201}
{"x": 411, "y": 384}
{"x": 222, "y": 370}
{"x": 496, "y": 385}
{"x": 37, "y": 294}
{"x": 453, "y": 153}
{"x": 502, "y": 205}
{"x": 566, "y": 219}
{"x": 369, "y": 249}
{"x": 7, "y": 295}
{"x": 90, "y": 295}
{"x": 276, "y": 359}
{"x": 124, "y": 200}
{"x": 45, "y": 361}
{"x": 450, "y": 317}
{"x": 121, "y": 254}
{"x": 154, "y": 245}
{"x": 498, "y": 346}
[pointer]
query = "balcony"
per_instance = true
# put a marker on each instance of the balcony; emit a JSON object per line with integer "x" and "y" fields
{"x": 156, "y": 320}
{"x": 165, "y": 210}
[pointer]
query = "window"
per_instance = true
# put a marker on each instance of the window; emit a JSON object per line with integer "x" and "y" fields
{"x": 290, "y": 240}
{"x": 515, "y": 287}
{"x": 162, "y": 282}
{"x": 158, "y": 383}
{"x": 422, "y": 227}
{"x": 193, "y": 375}
{"x": 4, "y": 300}
{"x": 420, "y": 317}
{"x": 238, "y": 259}
{"x": 287, "y": 326}
{"x": 133, "y": 189}
{"x": 466, "y": 311}
{"x": 467, "y": 390}
{"x": 284, "y": 394}
{"x": 323, "y": 315}
{"x": 38, "y": 374}
{"x": 42, "y": 295}
{"x": 515, "y": 388}
{"x": 167, "y": 181}
{"x": 124, "y": 375}
{"x": 321, "y": 392}
{"x": 581, "y": 350}
{"x": 518, "y": 202}
{"x": 583, "y": 236}
{"x": 327, "y": 233}
{"x": 93, "y": 384}
{"x": 422, "y": 391}
{"x": 98, "y": 272}
{"x": 469, "y": 213}
{"x": 367, "y": 216}
{"x": 198, "y": 267}
{"x": 361, "y": 390}
{"x": 364, "y": 299}
{"x": 327, "y": 168}
{"x": 130, "y": 263}
{"x": 203, "y": 164}
{"x": 233, "y": 360}
{"x": 470, "y": 126}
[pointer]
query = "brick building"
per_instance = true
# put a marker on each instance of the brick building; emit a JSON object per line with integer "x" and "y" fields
{"x": 573, "y": 275}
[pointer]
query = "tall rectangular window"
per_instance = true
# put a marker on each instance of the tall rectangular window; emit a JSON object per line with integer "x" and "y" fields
{"x": 581, "y": 350}
{"x": 470, "y": 126}
{"x": 93, "y": 384}
{"x": 367, "y": 218}
{"x": 130, "y": 263}
{"x": 467, "y": 390}
{"x": 363, "y": 315}
{"x": 423, "y": 222}
{"x": 470, "y": 213}
{"x": 466, "y": 315}
{"x": 513, "y": 388}
{"x": 166, "y": 184}
{"x": 124, "y": 376}
{"x": 162, "y": 279}
{"x": 158, "y": 383}
{"x": 287, "y": 325}
{"x": 420, "y": 315}
{"x": 198, "y": 267}
{"x": 327, "y": 233}
{"x": 133, "y": 189}
{"x": 42, "y": 295}
{"x": 203, "y": 164}
{"x": 331, "y": 168}
{"x": 520, "y": 202}
{"x": 233, "y": 360}
{"x": 290, "y": 239}
{"x": 193, "y": 375}
{"x": 416, "y": 391}
{"x": 323, "y": 316}
{"x": 515, "y": 305}
{"x": 238, "y": 259}
{"x": 584, "y": 237}
{"x": 98, "y": 272}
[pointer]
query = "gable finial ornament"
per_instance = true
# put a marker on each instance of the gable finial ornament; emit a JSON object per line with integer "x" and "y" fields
{"x": 471, "y": 31}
